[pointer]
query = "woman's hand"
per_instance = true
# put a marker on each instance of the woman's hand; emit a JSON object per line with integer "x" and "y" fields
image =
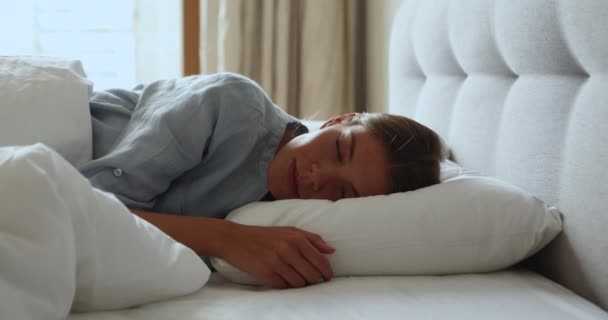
{"x": 280, "y": 257}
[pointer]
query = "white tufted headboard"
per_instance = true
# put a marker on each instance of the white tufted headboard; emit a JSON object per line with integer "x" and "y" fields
{"x": 519, "y": 90}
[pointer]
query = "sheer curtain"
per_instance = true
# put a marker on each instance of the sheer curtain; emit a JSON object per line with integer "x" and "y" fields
{"x": 308, "y": 55}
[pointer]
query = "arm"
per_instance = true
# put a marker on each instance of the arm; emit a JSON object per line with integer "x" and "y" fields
{"x": 279, "y": 256}
{"x": 197, "y": 233}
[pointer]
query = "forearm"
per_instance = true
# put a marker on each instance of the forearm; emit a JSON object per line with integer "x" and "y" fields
{"x": 280, "y": 256}
{"x": 205, "y": 236}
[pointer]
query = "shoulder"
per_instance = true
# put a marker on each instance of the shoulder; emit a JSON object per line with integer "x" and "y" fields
{"x": 231, "y": 83}
{"x": 233, "y": 79}
{"x": 237, "y": 91}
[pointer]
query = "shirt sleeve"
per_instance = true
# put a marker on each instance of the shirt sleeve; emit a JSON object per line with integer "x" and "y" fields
{"x": 172, "y": 125}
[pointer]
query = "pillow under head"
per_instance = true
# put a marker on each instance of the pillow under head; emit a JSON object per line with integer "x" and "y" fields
{"x": 468, "y": 223}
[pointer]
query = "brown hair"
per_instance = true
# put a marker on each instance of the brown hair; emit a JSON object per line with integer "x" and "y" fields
{"x": 414, "y": 150}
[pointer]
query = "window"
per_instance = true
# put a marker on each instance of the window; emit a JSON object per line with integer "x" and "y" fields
{"x": 120, "y": 42}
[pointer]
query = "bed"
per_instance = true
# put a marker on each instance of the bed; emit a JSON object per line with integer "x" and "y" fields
{"x": 517, "y": 90}
{"x": 513, "y": 294}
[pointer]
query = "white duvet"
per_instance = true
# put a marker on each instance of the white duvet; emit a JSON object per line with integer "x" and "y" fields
{"x": 65, "y": 246}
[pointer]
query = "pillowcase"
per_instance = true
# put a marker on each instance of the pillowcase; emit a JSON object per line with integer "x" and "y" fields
{"x": 44, "y": 99}
{"x": 67, "y": 246}
{"x": 467, "y": 223}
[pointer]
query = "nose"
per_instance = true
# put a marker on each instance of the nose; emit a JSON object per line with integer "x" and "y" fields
{"x": 320, "y": 176}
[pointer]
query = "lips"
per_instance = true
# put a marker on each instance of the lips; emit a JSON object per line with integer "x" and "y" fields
{"x": 293, "y": 170}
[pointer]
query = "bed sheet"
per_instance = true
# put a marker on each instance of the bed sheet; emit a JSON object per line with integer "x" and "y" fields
{"x": 510, "y": 294}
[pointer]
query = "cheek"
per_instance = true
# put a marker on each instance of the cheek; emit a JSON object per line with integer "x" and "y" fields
{"x": 308, "y": 148}
{"x": 322, "y": 144}
{"x": 295, "y": 144}
{"x": 304, "y": 145}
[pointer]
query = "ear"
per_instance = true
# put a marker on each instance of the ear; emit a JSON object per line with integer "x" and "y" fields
{"x": 338, "y": 119}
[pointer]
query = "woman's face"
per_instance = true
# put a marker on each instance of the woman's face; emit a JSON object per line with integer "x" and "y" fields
{"x": 333, "y": 163}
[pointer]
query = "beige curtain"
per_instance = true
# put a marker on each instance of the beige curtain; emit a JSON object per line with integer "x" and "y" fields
{"x": 308, "y": 55}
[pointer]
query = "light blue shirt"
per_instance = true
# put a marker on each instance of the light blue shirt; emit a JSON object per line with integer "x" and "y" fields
{"x": 199, "y": 145}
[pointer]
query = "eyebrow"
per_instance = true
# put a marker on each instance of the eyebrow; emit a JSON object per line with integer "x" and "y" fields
{"x": 352, "y": 151}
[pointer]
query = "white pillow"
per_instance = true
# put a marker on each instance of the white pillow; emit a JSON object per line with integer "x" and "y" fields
{"x": 44, "y": 99}
{"x": 468, "y": 223}
{"x": 65, "y": 245}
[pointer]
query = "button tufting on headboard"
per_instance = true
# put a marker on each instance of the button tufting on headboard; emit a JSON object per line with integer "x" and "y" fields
{"x": 519, "y": 89}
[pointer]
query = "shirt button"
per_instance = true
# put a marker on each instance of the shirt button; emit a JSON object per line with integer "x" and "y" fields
{"x": 117, "y": 172}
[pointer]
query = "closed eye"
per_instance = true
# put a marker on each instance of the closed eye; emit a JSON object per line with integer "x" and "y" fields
{"x": 338, "y": 150}
{"x": 339, "y": 154}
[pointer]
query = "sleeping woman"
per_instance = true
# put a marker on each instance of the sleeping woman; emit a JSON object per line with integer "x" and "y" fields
{"x": 183, "y": 153}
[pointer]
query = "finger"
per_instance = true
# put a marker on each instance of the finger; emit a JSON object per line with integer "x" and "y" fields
{"x": 316, "y": 258}
{"x": 293, "y": 278}
{"x": 276, "y": 282}
{"x": 302, "y": 265}
{"x": 319, "y": 243}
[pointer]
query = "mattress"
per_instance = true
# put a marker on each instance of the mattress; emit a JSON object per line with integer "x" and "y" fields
{"x": 510, "y": 294}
